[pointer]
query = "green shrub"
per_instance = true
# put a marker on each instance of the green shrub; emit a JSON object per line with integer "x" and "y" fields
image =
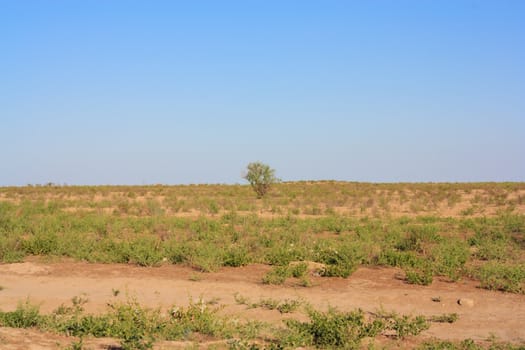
{"x": 25, "y": 316}
{"x": 204, "y": 256}
{"x": 236, "y": 256}
{"x": 299, "y": 270}
{"x": 503, "y": 277}
{"x": 419, "y": 276}
{"x": 10, "y": 250}
{"x": 340, "y": 260}
{"x": 270, "y": 304}
{"x": 403, "y": 325}
{"x": 288, "y": 305}
{"x": 450, "y": 258}
{"x": 492, "y": 244}
{"x": 261, "y": 177}
{"x": 277, "y": 275}
{"x": 42, "y": 243}
{"x": 417, "y": 237}
{"x": 489, "y": 250}
{"x": 333, "y": 328}
{"x": 448, "y": 345}
{"x": 284, "y": 255}
{"x": 196, "y": 317}
{"x": 145, "y": 251}
{"x": 394, "y": 258}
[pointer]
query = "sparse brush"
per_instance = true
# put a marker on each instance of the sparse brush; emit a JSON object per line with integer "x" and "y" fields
{"x": 277, "y": 275}
{"x": 288, "y": 305}
{"x": 445, "y": 318}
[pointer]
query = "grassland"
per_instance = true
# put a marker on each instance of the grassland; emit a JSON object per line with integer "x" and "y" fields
{"x": 429, "y": 231}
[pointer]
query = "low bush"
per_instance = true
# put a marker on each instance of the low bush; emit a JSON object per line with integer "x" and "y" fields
{"x": 277, "y": 275}
{"x": 503, "y": 277}
{"x": 422, "y": 277}
{"x": 449, "y": 258}
{"x": 26, "y": 315}
{"x": 340, "y": 260}
{"x": 145, "y": 251}
{"x": 299, "y": 270}
{"x": 336, "y": 329}
{"x": 236, "y": 256}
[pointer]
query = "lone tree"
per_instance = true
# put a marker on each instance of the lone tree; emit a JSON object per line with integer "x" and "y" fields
{"x": 261, "y": 177}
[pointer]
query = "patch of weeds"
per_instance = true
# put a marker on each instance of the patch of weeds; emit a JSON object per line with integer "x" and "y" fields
{"x": 488, "y": 250}
{"x": 335, "y": 329}
{"x": 299, "y": 270}
{"x": 26, "y": 315}
{"x": 283, "y": 255}
{"x": 288, "y": 306}
{"x": 205, "y": 257}
{"x": 449, "y": 258}
{"x": 213, "y": 207}
{"x": 328, "y": 329}
{"x": 340, "y": 261}
{"x": 403, "y": 325}
{"x": 277, "y": 275}
{"x": 467, "y": 344}
{"x": 237, "y": 344}
{"x": 240, "y": 299}
{"x": 284, "y": 306}
{"x": 76, "y": 345}
{"x": 394, "y": 258}
{"x": 196, "y": 317}
{"x": 79, "y": 301}
{"x": 134, "y": 325}
{"x": 251, "y": 329}
{"x": 236, "y": 256}
{"x": 270, "y": 304}
{"x": 418, "y": 237}
{"x": 503, "y": 277}
{"x": 468, "y": 211}
{"x": 145, "y": 251}
{"x": 422, "y": 277}
{"x": 42, "y": 243}
{"x": 491, "y": 244}
{"x": 445, "y": 318}
{"x": 10, "y": 250}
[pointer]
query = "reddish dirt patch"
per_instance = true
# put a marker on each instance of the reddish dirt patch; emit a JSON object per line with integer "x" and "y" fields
{"x": 52, "y": 284}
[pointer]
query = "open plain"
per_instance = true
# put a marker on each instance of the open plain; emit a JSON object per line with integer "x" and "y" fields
{"x": 312, "y": 264}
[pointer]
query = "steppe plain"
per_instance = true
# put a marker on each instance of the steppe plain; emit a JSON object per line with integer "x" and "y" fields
{"x": 321, "y": 264}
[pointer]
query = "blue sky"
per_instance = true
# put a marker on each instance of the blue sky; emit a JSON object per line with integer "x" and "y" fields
{"x": 176, "y": 92}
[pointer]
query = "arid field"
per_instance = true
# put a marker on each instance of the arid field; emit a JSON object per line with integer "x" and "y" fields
{"x": 310, "y": 265}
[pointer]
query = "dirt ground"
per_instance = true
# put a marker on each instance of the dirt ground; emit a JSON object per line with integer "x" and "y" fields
{"x": 50, "y": 284}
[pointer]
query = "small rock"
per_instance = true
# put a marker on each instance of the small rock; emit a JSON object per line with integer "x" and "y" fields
{"x": 466, "y": 302}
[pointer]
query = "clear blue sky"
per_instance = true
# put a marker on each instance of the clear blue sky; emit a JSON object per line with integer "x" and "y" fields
{"x": 142, "y": 92}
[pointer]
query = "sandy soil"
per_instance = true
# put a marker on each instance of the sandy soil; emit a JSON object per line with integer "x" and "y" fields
{"x": 52, "y": 284}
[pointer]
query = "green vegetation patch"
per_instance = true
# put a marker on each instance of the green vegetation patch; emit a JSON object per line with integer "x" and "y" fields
{"x": 227, "y": 226}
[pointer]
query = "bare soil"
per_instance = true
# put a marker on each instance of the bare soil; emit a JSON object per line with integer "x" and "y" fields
{"x": 50, "y": 284}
